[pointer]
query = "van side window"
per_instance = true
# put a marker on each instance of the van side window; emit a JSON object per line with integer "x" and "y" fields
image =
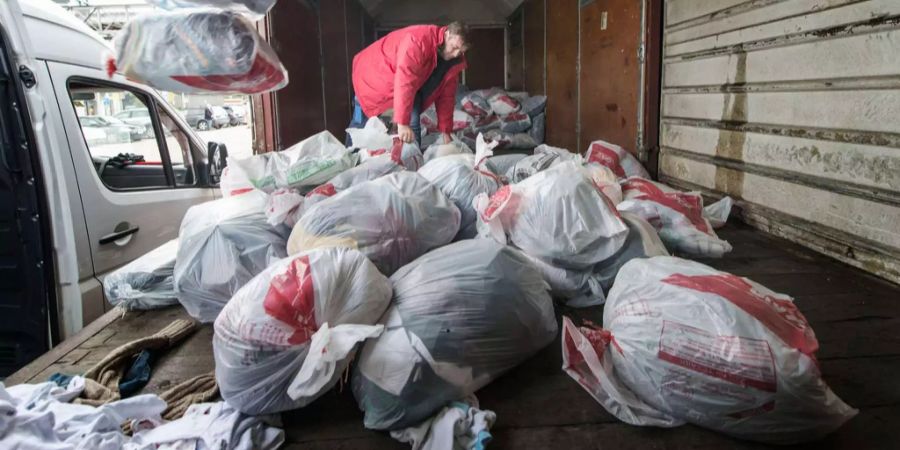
{"x": 179, "y": 146}
{"x": 117, "y": 127}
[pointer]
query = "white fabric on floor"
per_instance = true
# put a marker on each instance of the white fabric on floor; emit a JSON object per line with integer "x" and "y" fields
{"x": 461, "y": 425}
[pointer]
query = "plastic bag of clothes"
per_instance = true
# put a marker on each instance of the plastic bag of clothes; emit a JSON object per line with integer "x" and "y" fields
{"x": 694, "y": 345}
{"x": 392, "y": 220}
{"x": 234, "y": 181}
{"x": 622, "y": 163}
{"x": 578, "y": 288}
{"x": 558, "y": 215}
{"x": 502, "y": 104}
{"x": 288, "y": 334}
{"x": 475, "y": 105}
{"x": 303, "y": 166}
{"x": 455, "y": 147}
{"x": 372, "y": 136}
{"x": 197, "y": 50}
{"x": 146, "y": 282}
{"x": 606, "y": 181}
{"x": 404, "y": 154}
{"x": 515, "y": 123}
{"x": 255, "y": 9}
{"x": 538, "y": 128}
{"x": 677, "y": 215}
{"x": 500, "y": 165}
{"x": 461, "y": 316}
{"x": 530, "y": 165}
{"x": 223, "y": 244}
{"x": 284, "y": 206}
{"x": 642, "y": 242}
{"x": 491, "y": 122}
{"x": 461, "y": 178}
{"x": 429, "y": 120}
{"x": 511, "y": 141}
{"x": 718, "y": 212}
{"x": 534, "y": 106}
{"x": 461, "y": 120}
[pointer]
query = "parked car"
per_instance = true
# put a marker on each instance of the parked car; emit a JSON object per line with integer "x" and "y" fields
{"x": 196, "y": 118}
{"x": 220, "y": 117}
{"x": 237, "y": 115}
{"x": 137, "y": 116}
{"x": 116, "y": 130}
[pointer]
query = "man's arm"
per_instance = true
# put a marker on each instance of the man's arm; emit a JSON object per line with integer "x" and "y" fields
{"x": 444, "y": 105}
{"x": 410, "y": 63}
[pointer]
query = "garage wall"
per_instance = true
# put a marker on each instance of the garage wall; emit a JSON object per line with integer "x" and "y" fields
{"x": 316, "y": 41}
{"x": 791, "y": 107}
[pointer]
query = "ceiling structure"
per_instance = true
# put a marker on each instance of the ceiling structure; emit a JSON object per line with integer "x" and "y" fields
{"x": 389, "y": 13}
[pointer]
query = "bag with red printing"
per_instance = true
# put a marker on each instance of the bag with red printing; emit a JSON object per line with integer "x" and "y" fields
{"x": 475, "y": 105}
{"x": 622, "y": 163}
{"x": 461, "y": 120}
{"x": 684, "y": 343}
{"x": 502, "y": 104}
{"x": 286, "y": 337}
{"x": 197, "y": 50}
{"x": 677, "y": 215}
{"x": 515, "y": 123}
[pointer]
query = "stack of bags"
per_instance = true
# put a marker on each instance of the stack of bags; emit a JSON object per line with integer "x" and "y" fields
{"x": 514, "y": 120}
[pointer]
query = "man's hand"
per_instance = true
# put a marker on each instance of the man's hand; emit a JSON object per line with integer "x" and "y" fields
{"x": 405, "y": 133}
{"x": 447, "y": 138}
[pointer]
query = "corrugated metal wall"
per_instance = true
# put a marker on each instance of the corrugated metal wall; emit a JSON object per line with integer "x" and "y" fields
{"x": 792, "y": 107}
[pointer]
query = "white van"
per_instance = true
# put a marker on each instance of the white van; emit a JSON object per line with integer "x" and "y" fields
{"x": 75, "y": 203}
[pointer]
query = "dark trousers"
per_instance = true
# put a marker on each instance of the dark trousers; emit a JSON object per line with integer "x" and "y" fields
{"x": 359, "y": 119}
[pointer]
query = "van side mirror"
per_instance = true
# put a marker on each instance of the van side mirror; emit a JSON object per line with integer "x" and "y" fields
{"x": 216, "y": 157}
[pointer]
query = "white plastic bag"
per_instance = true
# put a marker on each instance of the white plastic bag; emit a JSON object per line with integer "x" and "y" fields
{"x": 234, "y": 181}
{"x": 284, "y": 206}
{"x": 622, "y": 163}
{"x": 288, "y": 334}
{"x": 475, "y": 105}
{"x": 579, "y": 288}
{"x": 461, "y": 316}
{"x": 303, "y": 166}
{"x": 534, "y": 106}
{"x": 515, "y": 123}
{"x": 455, "y": 147}
{"x": 642, "y": 242}
{"x": 682, "y": 342}
{"x": 255, "y": 9}
{"x": 392, "y": 220}
{"x": 557, "y": 215}
{"x": 404, "y": 154}
{"x": 513, "y": 141}
{"x": 370, "y": 169}
{"x": 373, "y": 136}
{"x": 491, "y": 122}
{"x": 718, "y": 212}
{"x": 461, "y": 178}
{"x": 145, "y": 283}
{"x": 197, "y": 50}
{"x": 532, "y": 164}
{"x": 501, "y": 164}
{"x": 502, "y": 104}
{"x": 677, "y": 215}
{"x": 223, "y": 244}
{"x": 461, "y": 120}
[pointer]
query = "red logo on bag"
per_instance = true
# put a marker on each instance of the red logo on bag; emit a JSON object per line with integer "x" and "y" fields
{"x": 326, "y": 189}
{"x": 397, "y": 152}
{"x": 779, "y": 315}
{"x": 291, "y": 299}
{"x": 603, "y": 155}
{"x": 379, "y": 152}
{"x": 687, "y": 204}
{"x": 496, "y": 203}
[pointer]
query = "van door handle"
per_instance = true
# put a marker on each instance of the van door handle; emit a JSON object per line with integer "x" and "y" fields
{"x": 109, "y": 238}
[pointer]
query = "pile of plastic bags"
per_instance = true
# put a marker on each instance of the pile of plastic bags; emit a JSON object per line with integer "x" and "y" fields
{"x": 392, "y": 220}
{"x": 684, "y": 343}
{"x": 288, "y": 335}
{"x": 461, "y": 316}
{"x": 223, "y": 244}
{"x": 146, "y": 282}
{"x": 196, "y": 50}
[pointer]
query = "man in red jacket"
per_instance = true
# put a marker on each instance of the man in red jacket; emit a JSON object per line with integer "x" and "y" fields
{"x": 409, "y": 70}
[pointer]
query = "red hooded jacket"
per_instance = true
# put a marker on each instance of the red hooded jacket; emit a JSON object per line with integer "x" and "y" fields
{"x": 389, "y": 72}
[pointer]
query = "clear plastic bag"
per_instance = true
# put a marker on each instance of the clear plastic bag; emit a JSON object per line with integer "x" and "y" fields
{"x": 461, "y": 178}
{"x": 288, "y": 334}
{"x": 718, "y": 212}
{"x": 501, "y": 164}
{"x": 530, "y": 165}
{"x": 404, "y": 154}
{"x": 455, "y": 147}
{"x": 255, "y": 9}
{"x": 558, "y": 215}
{"x": 284, "y": 206}
{"x": 461, "y": 316}
{"x": 515, "y": 123}
{"x": 372, "y": 137}
{"x": 303, "y": 166}
{"x": 682, "y": 342}
{"x": 642, "y": 242}
{"x": 475, "y": 105}
{"x": 145, "y": 283}
{"x": 534, "y": 106}
{"x": 198, "y": 50}
{"x": 622, "y": 163}
{"x": 223, "y": 244}
{"x": 678, "y": 216}
{"x": 513, "y": 141}
{"x": 462, "y": 121}
{"x": 491, "y": 122}
{"x": 234, "y": 181}
{"x": 502, "y": 104}
{"x": 538, "y": 128}
{"x": 578, "y": 288}
{"x": 392, "y": 220}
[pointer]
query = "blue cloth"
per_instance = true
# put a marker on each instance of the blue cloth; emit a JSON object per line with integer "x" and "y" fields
{"x": 137, "y": 376}
{"x": 359, "y": 119}
{"x": 62, "y": 380}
